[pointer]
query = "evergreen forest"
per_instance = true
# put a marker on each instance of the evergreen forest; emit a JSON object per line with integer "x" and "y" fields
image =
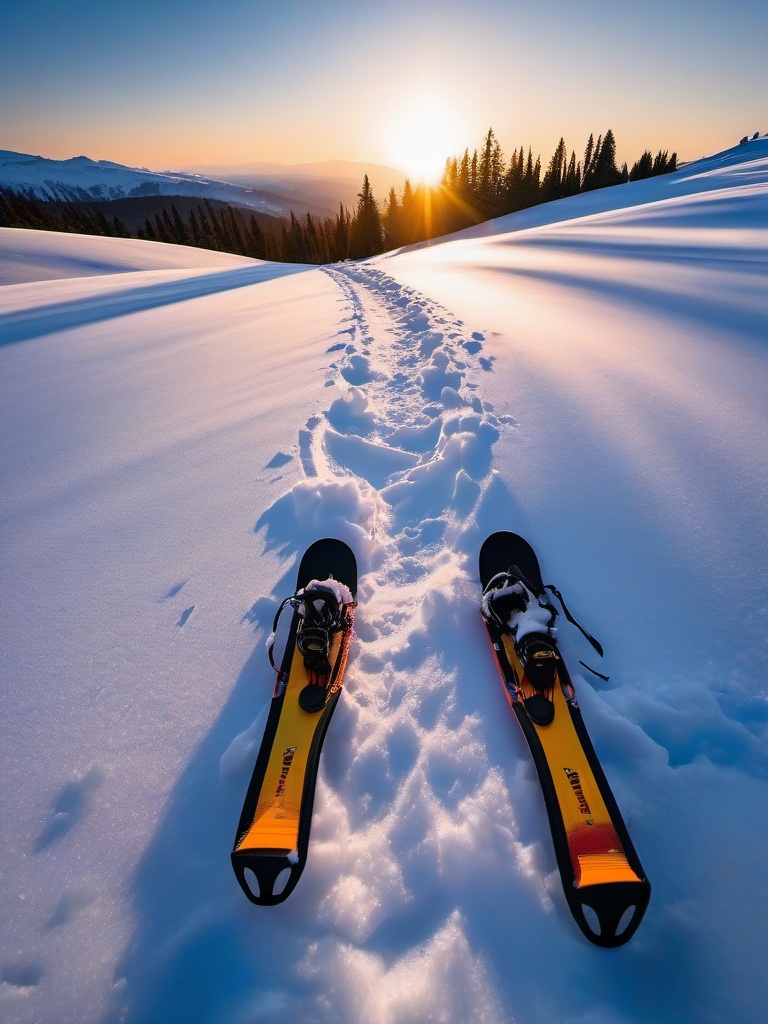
{"x": 475, "y": 187}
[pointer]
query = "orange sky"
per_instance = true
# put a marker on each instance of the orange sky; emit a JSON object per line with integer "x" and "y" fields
{"x": 178, "y": 84}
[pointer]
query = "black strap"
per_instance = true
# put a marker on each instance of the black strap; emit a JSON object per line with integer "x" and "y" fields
{"x": 595, "y": 643}
{"x": 600, "y": 675}
{"x": 274, "y": 632}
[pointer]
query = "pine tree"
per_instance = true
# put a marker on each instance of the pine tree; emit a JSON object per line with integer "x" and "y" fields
{"x": 594, "y": 152}
{"x": 485, "y": 171}
{"x": 206, "y": 229}
{"x": 287, "y": 247}
{"x": 553, "y": 185}
{"x": 606, "y": 173}
{"x": 236, "y": 230}
{"x": 169, "y": 228}
{"x": 392, "y": 214}
{"x": 119, "y": 228}
{"x": 180, "y": 230}
{"x": 530, "y": 186}
{"x": 228, "y": 243}
{"x": 160, "y": 230}
{"x": 572, "y": 182}
{"x": 299, "y": 242}
{"x": 407, "y": 214}
{"x": 218, "y": 241}
{"x": 642, "y": 167}
{"x": 513, "y": 182}
{"x": 664, "y": 163}
{"x": 463, "y": 182}
{"x": 488, "y": 174}
{"x": 257, "y": 242}
{"x": 588, "y": 154}
{"x": 341, "y": 234}
{"x": 316, "y": 250}
{"x": 103, "y": 227}
{"x": 451, "y": 174}
{"x": 194, "y": 230}
{"x": 365, "y": 236}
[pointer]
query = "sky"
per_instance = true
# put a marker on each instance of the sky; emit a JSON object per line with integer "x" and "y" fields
{"x": 172, "y": 85}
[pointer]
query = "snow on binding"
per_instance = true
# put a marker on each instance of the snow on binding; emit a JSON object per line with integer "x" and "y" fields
{"x": 273, "y": 835}
{"x": 602, "y": 877}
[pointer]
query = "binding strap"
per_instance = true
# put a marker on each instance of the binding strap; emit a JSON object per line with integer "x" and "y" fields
{"x": 271, "y": 646}
{"x": 595, "y": 643}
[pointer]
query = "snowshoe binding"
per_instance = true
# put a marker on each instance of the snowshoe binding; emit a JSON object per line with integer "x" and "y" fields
{"x": 511, "y": 603}
{"x": 323, "y": 611}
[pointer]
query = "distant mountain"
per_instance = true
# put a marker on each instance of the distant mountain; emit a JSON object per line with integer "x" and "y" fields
{"x": 348, "y": 173}
{"x": 82, "y": 179}
{"x": 273, "y": 189}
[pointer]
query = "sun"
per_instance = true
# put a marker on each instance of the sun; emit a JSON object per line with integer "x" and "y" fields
{"x": 423, "y": 137}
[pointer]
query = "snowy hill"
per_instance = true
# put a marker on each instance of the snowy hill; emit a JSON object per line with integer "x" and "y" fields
{"x": 82, "y": 179}
{"x": 178, "y": 427}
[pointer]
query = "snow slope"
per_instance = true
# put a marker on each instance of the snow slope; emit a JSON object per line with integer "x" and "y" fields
{"x": 175, "y": 436}
{"x": 34, "y": 256}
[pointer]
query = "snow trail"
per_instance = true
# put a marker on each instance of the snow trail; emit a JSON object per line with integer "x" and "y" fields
{"x": 399, "y": 466}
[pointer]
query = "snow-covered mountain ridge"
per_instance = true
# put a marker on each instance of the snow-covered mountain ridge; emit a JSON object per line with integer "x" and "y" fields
{"x": 178, "y": 425}
{"x": 269, "y": 188}
{"x": 81, "y": 178}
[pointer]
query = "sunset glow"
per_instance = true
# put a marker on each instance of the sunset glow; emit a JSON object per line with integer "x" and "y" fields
{"x": 423, "y": 135}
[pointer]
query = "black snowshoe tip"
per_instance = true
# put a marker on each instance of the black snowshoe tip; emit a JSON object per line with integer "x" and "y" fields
{"x": 540, "y": 709}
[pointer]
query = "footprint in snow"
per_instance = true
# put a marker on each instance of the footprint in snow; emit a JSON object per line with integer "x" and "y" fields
{"x": 185, "y": 615}
{"x": 23, "y": 974}
{"x": 278, "y": 460}
{"x": 71, "y": 903}
{"x": 306, "y": 453}
{"x": 72, "y": 804}
{"x": 350, "y": 414}
{"x": 357, "y": 371}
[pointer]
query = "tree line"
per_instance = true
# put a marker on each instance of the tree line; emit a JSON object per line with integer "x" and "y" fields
{"x": 483, "y": 185}
{"x": 221, "y": 227}
{"x": 474, "y": 188}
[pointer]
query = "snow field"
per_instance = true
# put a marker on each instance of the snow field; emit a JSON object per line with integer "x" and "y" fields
{"x": 177, "y": 435}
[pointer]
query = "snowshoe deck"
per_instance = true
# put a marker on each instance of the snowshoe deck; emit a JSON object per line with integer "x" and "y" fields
{"x": 273, "y": 835}
{"x": 603, "y": 880}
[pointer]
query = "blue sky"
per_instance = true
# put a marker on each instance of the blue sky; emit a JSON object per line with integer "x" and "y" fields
{"x": 173, "y": 84}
